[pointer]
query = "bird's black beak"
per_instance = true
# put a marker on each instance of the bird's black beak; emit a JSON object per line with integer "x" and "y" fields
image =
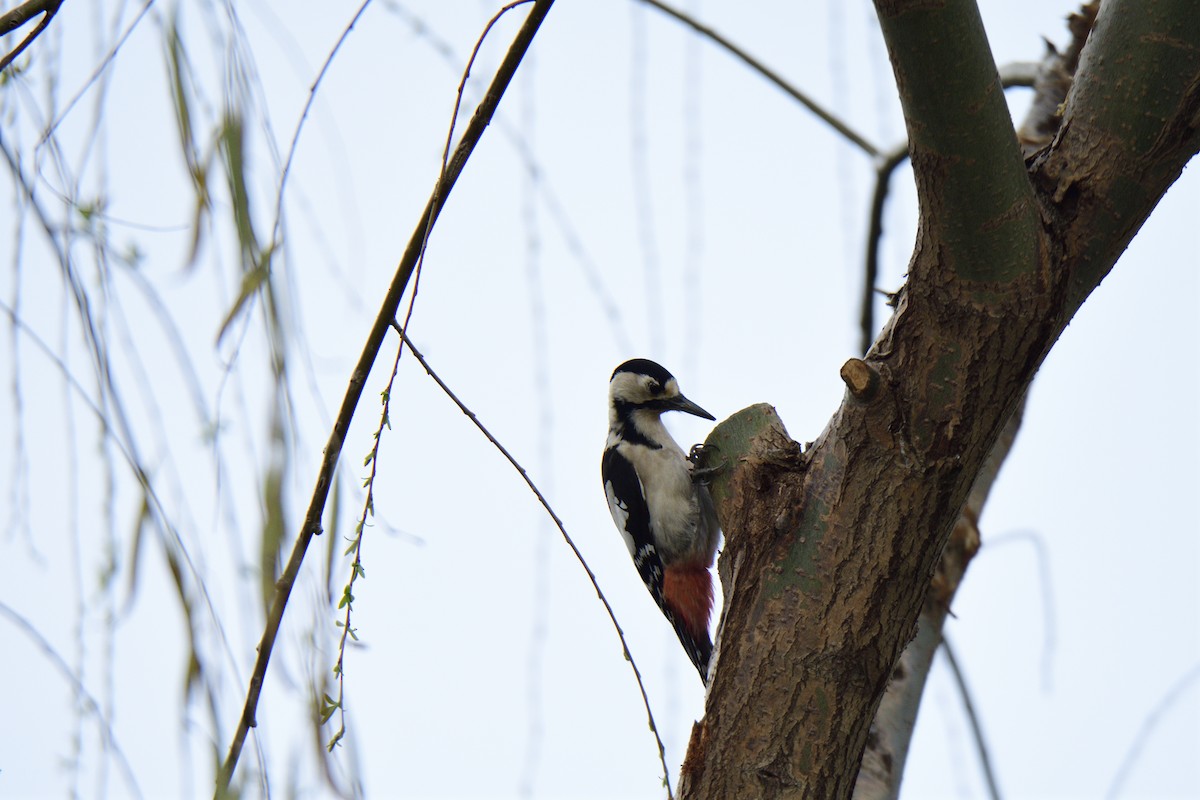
{"x": 681, "y": 403}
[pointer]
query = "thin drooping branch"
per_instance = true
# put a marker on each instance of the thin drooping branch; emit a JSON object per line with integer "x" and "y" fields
{"x": 822, "y": 113}
{"x": 85, "y": 698}
{"x": 330, "y": 705}
{"x": 985, "y": 759}
{"x": 19, "y": 16}
{"x": 97, "y": 72}
{"x": 886, "y": 162}
{"x": 1168, "y": 702}
{"x": 383, "y": 320}
{"x": 308, "y": 103}
{"x": 662, "y": 753}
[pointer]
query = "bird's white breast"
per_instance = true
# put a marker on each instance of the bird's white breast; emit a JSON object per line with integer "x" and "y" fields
{"x": 670, "y": 494}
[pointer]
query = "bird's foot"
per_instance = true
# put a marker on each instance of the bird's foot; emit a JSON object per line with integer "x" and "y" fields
{"x": 704, "y": 466}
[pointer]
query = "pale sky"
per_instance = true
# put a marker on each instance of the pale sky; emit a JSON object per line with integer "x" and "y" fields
{"x": 683, "y": 210}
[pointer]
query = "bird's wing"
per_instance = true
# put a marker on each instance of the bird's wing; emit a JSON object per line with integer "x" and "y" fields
{"x": 627, "y": 504}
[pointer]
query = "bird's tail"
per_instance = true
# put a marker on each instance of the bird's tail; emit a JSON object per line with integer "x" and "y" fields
{"x": 688, "y": 604}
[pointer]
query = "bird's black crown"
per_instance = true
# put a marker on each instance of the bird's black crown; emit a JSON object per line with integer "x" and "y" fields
{"x": 644, "y": 366}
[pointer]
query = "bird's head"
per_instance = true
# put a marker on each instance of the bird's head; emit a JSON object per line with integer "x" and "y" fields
{"x": 643, "y": 385}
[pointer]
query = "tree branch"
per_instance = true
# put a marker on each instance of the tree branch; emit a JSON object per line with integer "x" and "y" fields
{"x": 891, "y": 731}
{"x": 883, "y": 182}
{"x": 19, "y": 16}
{"x": 562, "y": 529}
{"x": 830, "y": 555}
{"x": 1021, "y": 73}
{"x": 762, "y": 69}
{"x": 1129, "y": 126}
{"x": 972, "y": 187}
{"x": 383, "y": 321}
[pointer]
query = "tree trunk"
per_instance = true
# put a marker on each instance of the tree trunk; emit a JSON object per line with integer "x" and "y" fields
{"x": 829, "y": 553}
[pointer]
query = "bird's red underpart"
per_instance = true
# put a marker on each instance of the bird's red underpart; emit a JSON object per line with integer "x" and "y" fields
{"x": 688, "y": 592}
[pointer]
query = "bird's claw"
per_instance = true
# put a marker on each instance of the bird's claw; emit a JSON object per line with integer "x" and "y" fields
{"x": 704, "y": 453}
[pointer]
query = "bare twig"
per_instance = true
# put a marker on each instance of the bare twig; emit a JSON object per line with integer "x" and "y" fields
{"x": 326, "y": 705}
{"x": 90, "y": 703}
{"x": 1147, "y": 727}
{"x": 22, "y": 14}
{"x": 985, "y": 759}
{"x": 331, "y": 705}
{"x": 883, "y": 179}
{"x": 312, "y": 96}
{"x": 558, "y": 214}
{"x": 1041, "y": 557}
{"x": 768, "y": 73}
{"x": 103, "y": 65}
{"x": 438, "y": 199}
{"x": 566, "y": 536}
{"x": 386, "y": 316}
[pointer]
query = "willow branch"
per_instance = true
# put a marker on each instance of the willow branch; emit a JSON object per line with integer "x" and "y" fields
{"x": 662, "y": 752}
{"x": 383, "y": 320}
{"x": 985, "y": 758}
{"x": 762, "y": 69}
{"x": 19, "y": 16}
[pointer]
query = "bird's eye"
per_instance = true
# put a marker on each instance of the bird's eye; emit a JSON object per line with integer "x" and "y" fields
{"x": 655, "y": 387}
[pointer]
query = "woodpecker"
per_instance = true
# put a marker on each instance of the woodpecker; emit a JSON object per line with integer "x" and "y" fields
{"x": 664, "y": 513}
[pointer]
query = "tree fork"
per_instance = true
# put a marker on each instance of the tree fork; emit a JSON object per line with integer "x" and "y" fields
{"x": 829, "y": 556}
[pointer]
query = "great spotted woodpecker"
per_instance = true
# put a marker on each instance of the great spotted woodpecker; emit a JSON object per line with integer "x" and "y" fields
{"x": 663, "y": 512}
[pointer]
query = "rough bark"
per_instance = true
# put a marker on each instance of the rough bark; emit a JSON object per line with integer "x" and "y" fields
{"x": 891, "y": 731}
{"x": 882, "y": 768}
{"x": 829, "y": 555}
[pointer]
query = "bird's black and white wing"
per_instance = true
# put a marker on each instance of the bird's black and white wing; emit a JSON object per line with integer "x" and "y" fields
{"x": 627, "y": 504}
